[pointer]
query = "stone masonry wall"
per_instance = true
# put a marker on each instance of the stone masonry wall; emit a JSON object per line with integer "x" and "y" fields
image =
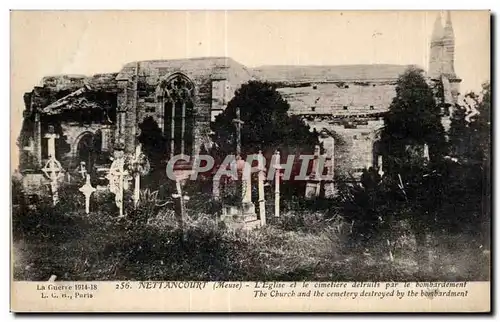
{"x": 206, "y": 74}
{"x": 351, "y": 101}
{"x": 74, "y": 132}
{"x": 339, "y": 98}
{"x": 353, "y": 146}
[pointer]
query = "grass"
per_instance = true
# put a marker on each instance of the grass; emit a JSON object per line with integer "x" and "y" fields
{"x": 297, "y": 246}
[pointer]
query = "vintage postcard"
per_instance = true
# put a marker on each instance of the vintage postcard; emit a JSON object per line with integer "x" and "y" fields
{"x": 250, "y": 161}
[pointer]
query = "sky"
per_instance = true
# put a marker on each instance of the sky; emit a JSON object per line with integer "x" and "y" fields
{"x": 88, "y": 42}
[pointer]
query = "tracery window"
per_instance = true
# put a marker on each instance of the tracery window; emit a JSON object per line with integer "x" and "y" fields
{"x": 177, "y": 93}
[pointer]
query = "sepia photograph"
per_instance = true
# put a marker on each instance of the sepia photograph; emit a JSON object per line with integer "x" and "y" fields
{"x": 180, "y": 148}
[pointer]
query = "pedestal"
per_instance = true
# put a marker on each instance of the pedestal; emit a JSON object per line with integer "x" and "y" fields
{"x": 241, "y": 216}
{"x": 34, "y": 183}
{"x": 329, "y": 189}
{"x": 313, "y": 189}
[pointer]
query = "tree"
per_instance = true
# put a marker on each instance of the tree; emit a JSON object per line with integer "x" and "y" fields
{"x": 469, "y": 180}
{"x": 414, "y": 119}
{"x": 414, "y": 186}
{"x": 153, "y": 145}
{"x": 267, "y": 125}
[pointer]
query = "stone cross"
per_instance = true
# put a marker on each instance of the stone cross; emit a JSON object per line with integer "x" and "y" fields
{"x": 426, "y": 152}
{"x": 262, "y": 200}
{"x": 181, "y": 215}
{"x": 238, "y": 123}
{"x": 246, "y": 185}
{"x": 87, "y": 190}
{"x": 313, "y": 187}
{"x": 137, "y": 175}
{"x": 53, "y": 170}
{"x": 30, "y": 147}
{"x": 329, "y": 144}
{"x": 51, "y": 141}
{"x": 380, "y": 165}
{"x": 116, "y": 177}
{"x": 216, "y": 187}
{"x": 315, "y": 169}
{"x": 277, "y": 174}
{"x": 82, "y": 170}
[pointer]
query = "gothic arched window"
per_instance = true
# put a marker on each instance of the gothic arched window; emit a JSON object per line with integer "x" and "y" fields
{"x": 177, "y": 95}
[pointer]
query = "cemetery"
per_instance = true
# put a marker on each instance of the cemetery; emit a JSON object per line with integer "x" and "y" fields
{"x": 205, "y": 170}
{"x": 237, "y": 223}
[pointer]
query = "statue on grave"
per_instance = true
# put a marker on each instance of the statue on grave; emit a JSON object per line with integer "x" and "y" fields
{"x": 118, "y": 177}
{"x": 138, "y": 166}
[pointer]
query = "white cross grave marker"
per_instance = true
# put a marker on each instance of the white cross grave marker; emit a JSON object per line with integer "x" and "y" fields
{"x": 51, "y": 142}
{"x": 262, "y": 200}
{"x": 277, "y": 175}
{"x": 137, "y": 176}
{"x": 426, "y": 152}
{"x": 82, "y": 170}
{"x": 181, "y": 199}
{"x": 87, "y": 190}
{"x": 53, "y": 169}
{"x": 116, "y": 176}
{"x": 380, "y": 166}
{"x": 140, "y": 166}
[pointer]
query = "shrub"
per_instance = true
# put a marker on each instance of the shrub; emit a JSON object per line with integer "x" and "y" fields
{"x": 303, "y": 221}
{"x": 43, "y": 221}
{"x": 17, "y": 191}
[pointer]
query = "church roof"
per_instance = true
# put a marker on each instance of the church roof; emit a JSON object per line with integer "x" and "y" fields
{"x": 227, "y": 68}
{"x": 329, "y": 73}
{"x": 203, "y": 67}
{"x": 222, "y": 67}
{"x": 105, "y": 81}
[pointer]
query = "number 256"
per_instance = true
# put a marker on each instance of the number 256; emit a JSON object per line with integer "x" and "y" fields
{"x": 123, "y": 285}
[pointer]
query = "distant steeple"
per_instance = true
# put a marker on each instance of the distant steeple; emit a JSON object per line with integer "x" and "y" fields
{"x": 442, "y": 54}
{"x": 442, "y": 66}
{"x": 449, "y": 45}
{"x": 437, "y": 49}
{"x": 437, "y": 31}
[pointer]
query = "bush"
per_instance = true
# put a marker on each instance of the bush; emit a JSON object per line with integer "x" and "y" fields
{"x": 17, "y": 191}
{"x": 303, "y": 221}
{"x": 44, "y": 222}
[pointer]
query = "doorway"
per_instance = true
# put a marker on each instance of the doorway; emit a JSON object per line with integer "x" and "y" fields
{"x": 89, "y": 149}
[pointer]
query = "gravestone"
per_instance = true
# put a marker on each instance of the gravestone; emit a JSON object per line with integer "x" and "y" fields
{"x": 277, "y": 176}
{"x": 241, "y": 214}
{"x": 380, "y": 165}
{"x": 117, "y": 176}
{"x": 329, "y": 181}
{"x": 139, "y": 167}
{"x": 313, "y": 185}
{"x": 82, "y": 170}
{"x": 53, "y": 169}
{"x": 87, "y": 190}
{"x": 262, "y": 199}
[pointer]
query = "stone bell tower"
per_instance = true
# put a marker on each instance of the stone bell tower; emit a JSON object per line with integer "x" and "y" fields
{"x": 442, "y": 59}
{"x": 442, "y": 67}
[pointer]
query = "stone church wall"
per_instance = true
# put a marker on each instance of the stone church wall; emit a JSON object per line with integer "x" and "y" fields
{"x": 73, "y": 132}
{"x": 353, "y": 146}
{"x": 338, "y": 98}
{"x": 215, "y": 81}
{"x": 348, "y": 101}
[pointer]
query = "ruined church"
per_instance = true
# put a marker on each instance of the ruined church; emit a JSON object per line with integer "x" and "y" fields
{"x": 93, "y": 115}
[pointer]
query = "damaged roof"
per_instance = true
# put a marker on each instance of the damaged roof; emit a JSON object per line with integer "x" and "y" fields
{"x": 104, "y": 82}
{"x": 325, "y": 73}
{"x": 204, "y": 67}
